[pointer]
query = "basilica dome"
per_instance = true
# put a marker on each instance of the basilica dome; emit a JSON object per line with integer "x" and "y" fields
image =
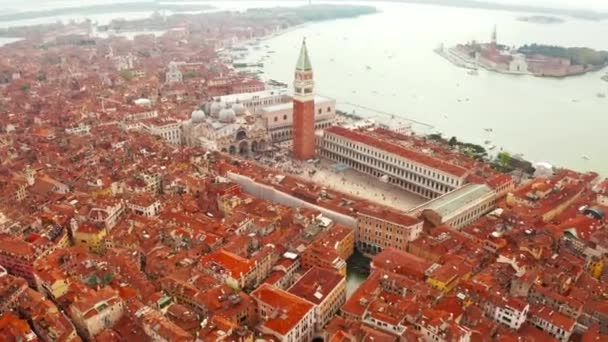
{"x": 216, "y": 107}
{"x": 198, "y": 116}
{"x": 227, "y": 115}
{"x": 238, "y": 108}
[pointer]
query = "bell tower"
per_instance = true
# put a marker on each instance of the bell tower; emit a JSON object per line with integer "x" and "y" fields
{"x": 303, "y": 107}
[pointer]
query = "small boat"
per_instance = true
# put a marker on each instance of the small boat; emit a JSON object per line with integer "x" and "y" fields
{"x": 368, "y": 67}
{"x": 488, "y": 129}
{"x": 586, "y": 157}
{"x": 487, "y": 142}
{"x": 574, "y": 100}
{"x": 491, "y": 147}
{"x": 445, "y": 116}
{"x": 331, "y": 59}
{"x": 473, "y": 72}
{"x": 601, "y": 95}
{"x": 605, "y": 78}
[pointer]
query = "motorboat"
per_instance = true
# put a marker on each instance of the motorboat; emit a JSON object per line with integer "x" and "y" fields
{"x": 585, "y": 157}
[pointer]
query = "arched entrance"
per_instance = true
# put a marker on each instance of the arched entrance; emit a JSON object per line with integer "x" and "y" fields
{"x": 243, "y": 147}
{"x": 254, "y": 146}
{"x": 262, "y": 145}
{"x": 232, "y": 149}
{"x": 224, "y": 150}
{"x": 241, "y": 135}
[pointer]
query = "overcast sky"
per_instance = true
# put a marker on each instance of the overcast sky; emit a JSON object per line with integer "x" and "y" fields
{"x": 42, "y": 4}
{"x": 585, "y": 4}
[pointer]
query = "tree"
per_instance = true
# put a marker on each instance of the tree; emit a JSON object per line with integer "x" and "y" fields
{"x": 453, "y": 141}
{"x": 126, "y": 75}
{"x": 25, "y": 88}
{"x": 504, "y": 159}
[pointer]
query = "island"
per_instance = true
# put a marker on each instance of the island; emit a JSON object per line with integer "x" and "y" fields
{"x": 541, "y": 19}
{"x": 534, "y": 59}
{"x": 277, "y": 17}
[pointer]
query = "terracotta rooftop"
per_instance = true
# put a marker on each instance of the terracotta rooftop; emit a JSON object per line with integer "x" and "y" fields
{"x": 378, "y": 139}
{"x": 290, "y": 309}
{"x": 316, "y": 284}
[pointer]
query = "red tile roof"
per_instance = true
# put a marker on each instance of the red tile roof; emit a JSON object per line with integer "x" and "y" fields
{"x": 291, "y": 309}
{"x": 386, "y": 145}
{"x": 316, "y": 284}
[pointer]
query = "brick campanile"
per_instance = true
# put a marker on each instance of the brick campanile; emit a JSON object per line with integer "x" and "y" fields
{"x": 303, "y": 108}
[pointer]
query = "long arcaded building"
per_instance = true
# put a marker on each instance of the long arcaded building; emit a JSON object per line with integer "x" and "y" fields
{"x": 379, "y": 154}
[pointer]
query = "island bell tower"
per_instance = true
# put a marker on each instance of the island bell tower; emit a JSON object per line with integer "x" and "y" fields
{"x": 303, "y": 108}
{"x": 493, "y": 43}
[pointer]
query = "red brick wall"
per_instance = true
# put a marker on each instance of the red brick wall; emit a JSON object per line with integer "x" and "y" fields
{"x": 303, "y": 129}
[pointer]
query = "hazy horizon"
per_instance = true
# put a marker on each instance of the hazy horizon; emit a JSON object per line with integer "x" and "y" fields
{"x": 37, "y": 5}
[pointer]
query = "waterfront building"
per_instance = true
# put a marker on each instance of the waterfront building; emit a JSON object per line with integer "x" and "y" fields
{"x": 317, "y": 255}
{"x": 283, "y": 315}
{"x": 381, "y": 228}
{"x": 326, "y": 289}
{"x": 303, "y": 108}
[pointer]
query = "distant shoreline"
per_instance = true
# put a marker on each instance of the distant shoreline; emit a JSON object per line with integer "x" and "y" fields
{"x": 104, "y": 9}
{"x": 175, "y": 6}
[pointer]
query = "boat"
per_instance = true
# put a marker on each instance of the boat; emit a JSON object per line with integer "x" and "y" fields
{"x": 605, "y": 78}
{"x": 445, "y": 116}
{"x": 488, "y": 129}
{"x": 331, "y": 59}
{"x": 487, "y": 142}
{"x": 368, "y": 67}
{"x": 491, "y": 147}
{"x": 473, "y": 72}
{"x": 575, "y": 100}
{"x": 586, "y": 157}
{"x": 601, "y": 95}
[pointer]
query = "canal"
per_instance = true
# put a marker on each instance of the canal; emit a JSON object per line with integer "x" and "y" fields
{"x": 357, "y": 271}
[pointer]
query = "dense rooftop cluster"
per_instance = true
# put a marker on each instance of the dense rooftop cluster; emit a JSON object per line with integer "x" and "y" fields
{"x": 110, "y": 231}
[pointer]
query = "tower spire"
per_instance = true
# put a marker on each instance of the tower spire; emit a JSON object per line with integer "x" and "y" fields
{"x": 303, "y": 61}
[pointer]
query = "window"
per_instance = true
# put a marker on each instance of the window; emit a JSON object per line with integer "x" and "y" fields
{"x": 276, "y": 118}
{"x": 320, "y": 110}
{"x": 328, "y": 109}
{"x": 284, "y": 117}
